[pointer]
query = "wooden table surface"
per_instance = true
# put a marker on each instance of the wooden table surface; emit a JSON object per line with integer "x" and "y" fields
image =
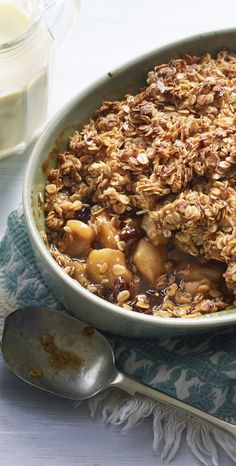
{"x": 42, "y": 430}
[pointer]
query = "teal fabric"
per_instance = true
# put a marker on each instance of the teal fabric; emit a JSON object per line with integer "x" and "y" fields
{"x": 199, "y": 369}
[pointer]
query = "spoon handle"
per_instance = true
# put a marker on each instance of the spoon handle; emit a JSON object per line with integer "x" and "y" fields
{"x": 132, "y": 386}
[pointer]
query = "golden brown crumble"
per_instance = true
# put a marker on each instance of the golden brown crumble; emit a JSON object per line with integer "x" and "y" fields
{"x": 141, "y": 207}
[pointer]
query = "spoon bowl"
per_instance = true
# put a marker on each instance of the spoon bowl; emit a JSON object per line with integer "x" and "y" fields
{"x": 58, "y": 353}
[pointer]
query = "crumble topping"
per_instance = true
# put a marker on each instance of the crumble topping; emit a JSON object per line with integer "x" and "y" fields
{"x": 140, "y": 208}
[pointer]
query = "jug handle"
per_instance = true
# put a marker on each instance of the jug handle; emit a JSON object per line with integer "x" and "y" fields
{"x": 60, "y": 17}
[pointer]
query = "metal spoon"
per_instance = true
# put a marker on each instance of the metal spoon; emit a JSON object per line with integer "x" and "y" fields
{"x": 62, "y": 355}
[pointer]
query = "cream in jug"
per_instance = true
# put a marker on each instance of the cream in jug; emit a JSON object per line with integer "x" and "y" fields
{"x": 25, "y": 45}
{"x": 13, "y": 22}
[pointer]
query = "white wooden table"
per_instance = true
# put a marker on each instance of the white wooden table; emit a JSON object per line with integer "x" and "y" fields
{"x": 38, "y": 429}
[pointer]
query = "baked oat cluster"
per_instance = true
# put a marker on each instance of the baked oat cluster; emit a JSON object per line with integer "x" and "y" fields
{"x": 141, "y": 207}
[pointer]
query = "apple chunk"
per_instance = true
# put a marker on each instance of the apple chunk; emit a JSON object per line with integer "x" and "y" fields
{"x": 149, "y": 260}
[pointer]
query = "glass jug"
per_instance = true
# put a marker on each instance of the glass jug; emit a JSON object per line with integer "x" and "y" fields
{"x": 27, "y": 32}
